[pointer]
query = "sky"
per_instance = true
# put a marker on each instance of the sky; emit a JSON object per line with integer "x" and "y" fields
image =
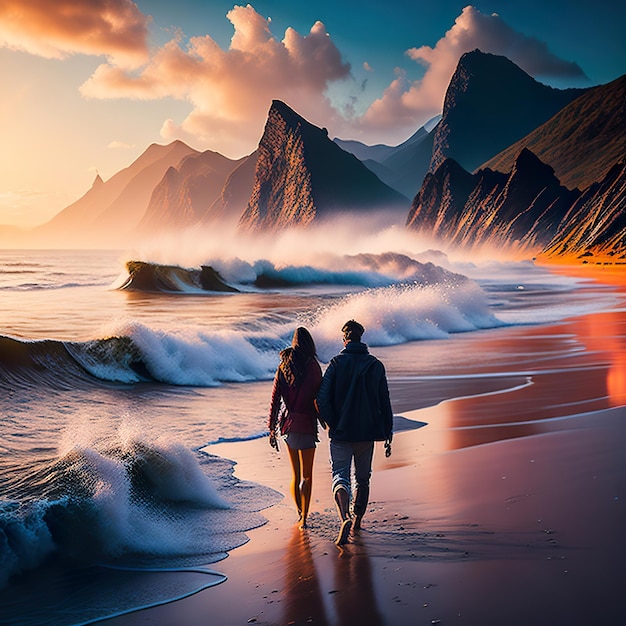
{"x": 88, "y": 85}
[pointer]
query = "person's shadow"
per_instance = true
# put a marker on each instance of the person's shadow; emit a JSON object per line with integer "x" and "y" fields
{"x": 304, "y": 603}
{"x": 352, "y": 592}
{"x": 355, "y": 597}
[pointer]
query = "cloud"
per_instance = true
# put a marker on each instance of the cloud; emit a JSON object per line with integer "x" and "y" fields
{"x": 231, "y": 90}
{"x": 410, "y": 103}
{"x": 54, "y": 30}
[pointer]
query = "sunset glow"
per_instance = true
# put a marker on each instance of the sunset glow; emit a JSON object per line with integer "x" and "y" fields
{"x": 89, "y": 85}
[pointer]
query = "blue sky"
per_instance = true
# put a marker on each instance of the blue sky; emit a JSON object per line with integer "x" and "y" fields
{"x": 89, "y": 84}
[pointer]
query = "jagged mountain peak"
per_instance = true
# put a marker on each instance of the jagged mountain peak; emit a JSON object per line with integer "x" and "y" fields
{"x": 302, "y": 176}
{"x": 282, "y": 114}
{"x": 529, "y": 165}
{"x": 278, "y": 107}
{"x": 491, "y": 103}
{"x": 485, "y": 64}
{"x": 520, "y": 210}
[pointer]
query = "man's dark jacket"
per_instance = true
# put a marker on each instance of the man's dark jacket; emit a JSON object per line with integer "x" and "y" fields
{"x": 354, "y": 397}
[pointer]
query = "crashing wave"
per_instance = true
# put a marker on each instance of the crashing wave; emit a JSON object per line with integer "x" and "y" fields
{"x": 122, "y": 502}
{"x": 361, "y": 270}
{"x": 152, "y": 277}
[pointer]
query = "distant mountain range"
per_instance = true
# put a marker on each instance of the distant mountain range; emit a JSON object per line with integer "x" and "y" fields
{"x": 107, "y": 214}
{"x": 402, "y": 167}
{"x": 510, "y": 163}
{"x": 191, "y": 194}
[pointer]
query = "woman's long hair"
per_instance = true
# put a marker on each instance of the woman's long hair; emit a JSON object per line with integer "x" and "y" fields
{"x": 293, "y": 360}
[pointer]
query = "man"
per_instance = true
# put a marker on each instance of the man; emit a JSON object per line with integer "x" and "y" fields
{"x": 354, "y": 401}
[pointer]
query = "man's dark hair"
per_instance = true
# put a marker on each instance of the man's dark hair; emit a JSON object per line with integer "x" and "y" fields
{"x": 352, "y": 331}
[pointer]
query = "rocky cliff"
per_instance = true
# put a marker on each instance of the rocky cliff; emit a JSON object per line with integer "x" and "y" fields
{"x": 521, "y": 210}
{"x": 491, "y": 103}
{"x": 594, "y": 229}
{"x": 582, "y": 142}
{"x": 302, "y": 176}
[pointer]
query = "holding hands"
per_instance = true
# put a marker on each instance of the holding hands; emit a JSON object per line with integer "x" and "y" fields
{"x": 273, "y": 440}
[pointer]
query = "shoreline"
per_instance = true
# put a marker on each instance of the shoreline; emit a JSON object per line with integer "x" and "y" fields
{"x": 498, "y": 510}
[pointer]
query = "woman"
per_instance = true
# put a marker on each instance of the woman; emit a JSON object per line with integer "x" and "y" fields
{"x": 296, "y": 383}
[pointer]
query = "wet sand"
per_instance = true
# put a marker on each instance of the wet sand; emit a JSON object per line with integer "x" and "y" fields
{"x": 504, "y": 504}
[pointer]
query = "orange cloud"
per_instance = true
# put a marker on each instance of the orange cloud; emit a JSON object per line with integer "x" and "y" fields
{"x": 114, "y": 28}
{"x": 410, "y": 103}
{"x": 231, "y": 90}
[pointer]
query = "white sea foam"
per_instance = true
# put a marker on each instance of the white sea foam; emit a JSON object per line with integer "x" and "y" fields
{"x": 405, "y": 313}
{"x": 392, "y": 315}
{"x": 122, "y": 495}
{"x": 192, "y": 357}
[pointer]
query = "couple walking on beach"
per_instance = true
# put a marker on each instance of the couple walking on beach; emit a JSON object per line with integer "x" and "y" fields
{"x": 351, "y": 399}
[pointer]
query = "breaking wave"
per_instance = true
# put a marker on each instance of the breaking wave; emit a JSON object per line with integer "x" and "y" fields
{"x": 127, "y": 502}
{"x": 135, "y": 352}
{"x": 231, "y": 275}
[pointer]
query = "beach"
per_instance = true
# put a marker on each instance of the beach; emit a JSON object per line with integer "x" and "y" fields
{"x": 503, "y": 501}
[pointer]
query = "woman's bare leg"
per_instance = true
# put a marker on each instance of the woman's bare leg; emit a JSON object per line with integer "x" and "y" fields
{"x": 306, "y": 486}
{"x": 296, "y": 478}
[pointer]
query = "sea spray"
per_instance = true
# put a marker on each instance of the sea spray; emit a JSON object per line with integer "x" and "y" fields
{"x": 403, "y": 313}
{"x": 428, "y": 303}
{"x": 127, "y": 499}
{"x": 183, "y": 356}
{"x": 358, "y": 270}
{"x": 25, "y": 539}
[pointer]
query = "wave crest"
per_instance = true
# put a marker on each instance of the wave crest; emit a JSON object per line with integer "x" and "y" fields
{"x": 137, "y": 502}
{"x": 235, "y": 274}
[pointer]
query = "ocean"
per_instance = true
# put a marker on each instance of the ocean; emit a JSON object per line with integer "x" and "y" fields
{"x": 112, "y": 396}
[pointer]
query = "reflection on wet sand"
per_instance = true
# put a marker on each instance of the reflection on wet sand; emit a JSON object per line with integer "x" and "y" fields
{"x": 303, "y": 597}
{"x": 349, "y": 598}
{"x": 590, "y": 375}
{"x": 354, "y": 597}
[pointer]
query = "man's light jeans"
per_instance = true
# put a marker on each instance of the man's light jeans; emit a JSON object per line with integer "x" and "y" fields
{"x": 341, "y": 455}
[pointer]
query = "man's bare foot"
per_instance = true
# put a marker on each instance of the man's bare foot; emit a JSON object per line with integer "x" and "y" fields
{"x": 344, "y": 531}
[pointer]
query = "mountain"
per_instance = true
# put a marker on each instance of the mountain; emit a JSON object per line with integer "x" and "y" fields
{"x": 377, "y": 153}
{"x": 594, "y": 228}
{"x": 111, "y": 210}
{"x": 491, "y": 103}
{"x": 402, "y": 167}
{"x": 186, "y": 192}
{"x": 543, "y": 147}
{"x": 233, "y": 199}
{"x": 527, "y": 197}
{"x": 521, "y": 210}
{"x": 302, "y": 176}
{"x": 595, "y": 121}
